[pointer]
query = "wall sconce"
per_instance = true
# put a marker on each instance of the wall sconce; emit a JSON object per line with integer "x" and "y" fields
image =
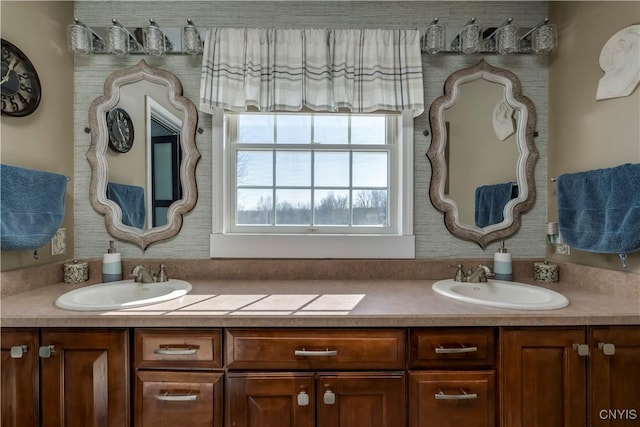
{"x": 191, "y": 41}
{"x": 541, "y": 39}
{"x": 434, "y": 38}
{"x": 120, "y": 40}
{"x": 82, "y": 39}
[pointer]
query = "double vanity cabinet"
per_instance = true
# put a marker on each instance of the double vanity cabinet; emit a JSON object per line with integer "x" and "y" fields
{"x": 322, "y": 377}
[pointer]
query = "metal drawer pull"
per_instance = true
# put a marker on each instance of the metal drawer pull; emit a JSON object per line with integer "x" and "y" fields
{"x": 582, "y": 349}
{"x": 464, "y": 396}
{"x": 316, "y": 353}
{"x": 175, "y": 351}
{"x": 176, "y": 397}
{"x": 454, "y": 350}
{"x": 303, "y": 398}
{"x": 18, "y": 350}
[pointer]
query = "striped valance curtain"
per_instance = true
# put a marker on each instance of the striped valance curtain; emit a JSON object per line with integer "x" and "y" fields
{"x": 359, "y": 70}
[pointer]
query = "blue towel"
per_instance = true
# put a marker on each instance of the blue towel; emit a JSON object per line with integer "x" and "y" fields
{"x": 490, "y": 202}
{"x": 599, "y": 210}
{"x": 31, "y": 207}
{"x": 130, "y": 198}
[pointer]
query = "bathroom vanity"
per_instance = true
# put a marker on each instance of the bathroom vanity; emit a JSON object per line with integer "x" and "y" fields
{"x": 321, "y": 353}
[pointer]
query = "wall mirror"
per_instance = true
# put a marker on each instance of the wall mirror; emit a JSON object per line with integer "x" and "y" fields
{"x": 482, "y": 153}
{"x": 143, "y": 154}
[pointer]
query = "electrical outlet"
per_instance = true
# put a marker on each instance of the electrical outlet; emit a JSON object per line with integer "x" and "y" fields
{"x": 563, "y": 249}
{"x": 59, "y": 242}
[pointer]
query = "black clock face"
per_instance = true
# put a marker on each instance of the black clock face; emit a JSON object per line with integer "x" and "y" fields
{"x": 20, "y": 84}
{"x": 120, "y": 130}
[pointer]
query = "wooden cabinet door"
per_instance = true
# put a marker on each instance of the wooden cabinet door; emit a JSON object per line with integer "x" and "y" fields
{"x": 282, "y": 399}
{"x": 19, "y": 378}
{"x": 178, "y": 398}
{"x": 452, "y": 399}
{"x": 615, "y": 376}
{"x": 361, "y": 399}
{"x": 543, "y": 378}
{"x": 85, "y": 378}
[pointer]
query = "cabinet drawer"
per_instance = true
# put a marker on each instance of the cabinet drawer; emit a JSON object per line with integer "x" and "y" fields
{"x": 178, "y": 348}
{"x": 452, "y": 348}
{"x": 178, "y": 398}
{"x": 315, "y": 349}
{"x": 446, "y": 398}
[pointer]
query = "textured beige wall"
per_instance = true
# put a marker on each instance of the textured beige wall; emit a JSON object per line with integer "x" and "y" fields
{"x": 584, "y": 133}
{"x": 44, "y": 139}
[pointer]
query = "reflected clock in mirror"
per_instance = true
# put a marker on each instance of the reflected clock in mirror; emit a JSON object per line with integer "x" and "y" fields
{"x": 482, "y": 153}
{"x": 143, "y": 191}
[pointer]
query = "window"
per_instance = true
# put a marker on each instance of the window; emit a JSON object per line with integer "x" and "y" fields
{"x": 312, "y": 180}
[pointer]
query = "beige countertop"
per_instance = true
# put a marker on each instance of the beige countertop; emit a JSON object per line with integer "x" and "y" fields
{"x": 320, "y": 303}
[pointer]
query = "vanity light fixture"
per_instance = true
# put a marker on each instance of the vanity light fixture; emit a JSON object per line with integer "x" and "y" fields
{"x": 191, "y": 40}
{"x": 540, "y": 40}
{"x": 469, "y": 39}
{"x": 434, "y": 38}
{"x": 120, "y": 40}
{"x": 154, "y": 40}
{"x": 505, "y": 39}
{"x": 149, "y": 39}
{"x": 82, "y": 39}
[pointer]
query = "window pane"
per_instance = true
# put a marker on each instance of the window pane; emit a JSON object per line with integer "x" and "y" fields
{"x": 293, "y": 129}
{"x": 331, "y": 169}
{"x": 370, "y": 207}
{"x": 370, "y": 169}
{"x": 331, "y": 129}
{"x": 368, "y": 129}
{"x": 331, "y": 207}
{"x": 293, "y": 207}
{"x": 254, "y": 206}
{"x": 256, "y": 128}
{"x": 293, "y": 168}
{"x": 254, "y": 168}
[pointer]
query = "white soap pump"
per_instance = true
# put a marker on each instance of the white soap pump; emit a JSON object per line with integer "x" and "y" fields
{"x": 111, "y": 265}
{"x": 502, "y": 266}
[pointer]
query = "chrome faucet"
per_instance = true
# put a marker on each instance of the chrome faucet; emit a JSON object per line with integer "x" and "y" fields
{"x": 481, "y": 275}
{"x": 142, "y": 274}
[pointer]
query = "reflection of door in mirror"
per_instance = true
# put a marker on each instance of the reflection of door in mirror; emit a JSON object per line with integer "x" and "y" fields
{"x": 165, "y": 171}
{"x": 478, "y": 158}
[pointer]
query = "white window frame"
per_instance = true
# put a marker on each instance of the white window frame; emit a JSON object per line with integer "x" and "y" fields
{"x": 400, "y": 243}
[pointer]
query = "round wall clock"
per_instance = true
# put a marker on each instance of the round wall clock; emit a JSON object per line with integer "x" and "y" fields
{"x": 20, "y": 84}
{"x": 120, "y": 130}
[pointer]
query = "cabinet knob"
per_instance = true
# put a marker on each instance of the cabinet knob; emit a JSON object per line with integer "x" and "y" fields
{"x": 46, "y": 351}
{"x": 18, "y": 350}
{"x": 608, "y": 349}
{"x": 303, "y": 398}
{"x": 582, "y": 349}
{"x": 329, "y": 397}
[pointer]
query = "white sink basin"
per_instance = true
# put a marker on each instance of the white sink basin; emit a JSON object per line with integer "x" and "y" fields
{"x": 504, "y": 294}
{"x": 122, "y": 294}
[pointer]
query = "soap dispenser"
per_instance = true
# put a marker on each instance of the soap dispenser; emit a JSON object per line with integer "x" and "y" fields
{"x": 111, "y": 265}
{"x": 502, "y": 266}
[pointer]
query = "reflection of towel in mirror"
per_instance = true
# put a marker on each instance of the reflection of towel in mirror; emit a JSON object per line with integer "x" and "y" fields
{"x": 31, "y": 207}
{"x": 130, "y": 198}
{"x": 490, "y": 202}
{"x": 599, "y": 210}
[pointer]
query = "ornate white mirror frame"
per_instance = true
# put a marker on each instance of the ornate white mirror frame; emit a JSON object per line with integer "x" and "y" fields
{"x": 524, "y": 169}
{"x": 100, "y": 143}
